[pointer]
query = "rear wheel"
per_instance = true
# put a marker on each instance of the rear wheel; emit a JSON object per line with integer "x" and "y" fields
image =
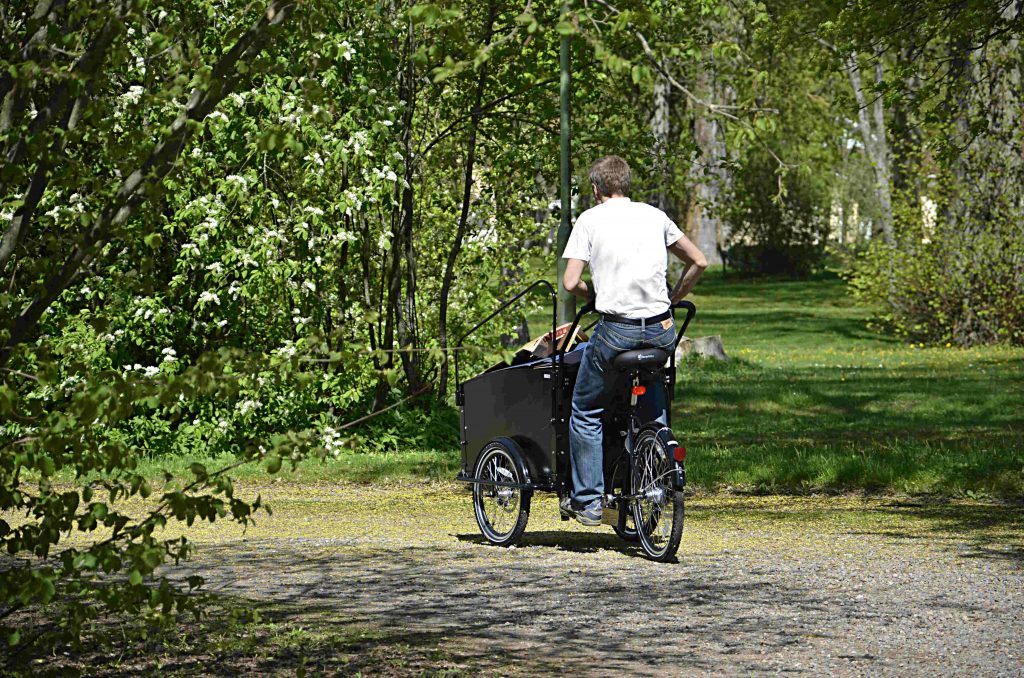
{"x": 501, "y": 509}
{"x": 658, "y": 507}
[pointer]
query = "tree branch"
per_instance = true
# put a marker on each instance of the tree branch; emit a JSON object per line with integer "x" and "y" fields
{"x": 85, "y": 67}
{"x": 147, "y": 178}
{"x": 710, "y": 107}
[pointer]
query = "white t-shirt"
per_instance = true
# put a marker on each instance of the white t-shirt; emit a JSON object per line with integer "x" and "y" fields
{"x": 625, "y": 243}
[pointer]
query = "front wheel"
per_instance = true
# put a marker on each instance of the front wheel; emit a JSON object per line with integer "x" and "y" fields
{"x": 503, "y": 508}
{"x": 658, "y": 506}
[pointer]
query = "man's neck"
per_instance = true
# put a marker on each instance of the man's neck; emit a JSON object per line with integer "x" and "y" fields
{"x": 605, "y": 198}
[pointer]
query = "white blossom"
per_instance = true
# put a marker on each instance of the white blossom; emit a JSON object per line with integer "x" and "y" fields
{"x": 309, "y": 285}
{"x": 347, "y": 51}
{"x": 247, "y": 406}
{"x": 132, "y": 95}
{"x": 332, "y": 441}
{"x": 208, "y": 296}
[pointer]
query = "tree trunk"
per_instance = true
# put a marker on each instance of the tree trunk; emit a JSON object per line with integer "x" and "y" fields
{"x": 871, "y": 120}
{"x": 703, "y": 223}
{"x": 467, "y": 185}
{"x": 661, "y": 126}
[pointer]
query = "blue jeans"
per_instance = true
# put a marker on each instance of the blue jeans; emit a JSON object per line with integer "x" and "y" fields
{"x": 595, "y": 386}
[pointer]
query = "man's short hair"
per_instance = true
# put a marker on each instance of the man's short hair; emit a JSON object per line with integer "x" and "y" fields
{"x": 611, "y": 176}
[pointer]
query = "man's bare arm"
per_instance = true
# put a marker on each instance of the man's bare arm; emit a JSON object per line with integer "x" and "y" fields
{"x": 572, "y": 278}
{"x": 695, "y": 262}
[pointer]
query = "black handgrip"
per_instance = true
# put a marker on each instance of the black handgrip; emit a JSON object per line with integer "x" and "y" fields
{"x": 691, "y": 311}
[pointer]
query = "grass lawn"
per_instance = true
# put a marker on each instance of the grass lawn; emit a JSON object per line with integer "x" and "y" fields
{"x": 813, "y": 400}
{"x": 810, "y": 401}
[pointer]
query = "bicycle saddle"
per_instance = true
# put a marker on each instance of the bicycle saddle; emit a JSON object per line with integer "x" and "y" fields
{"x": 644, "y": 358}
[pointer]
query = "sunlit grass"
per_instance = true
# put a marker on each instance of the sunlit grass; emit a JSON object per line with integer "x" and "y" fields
{"x": 813, "y": 400}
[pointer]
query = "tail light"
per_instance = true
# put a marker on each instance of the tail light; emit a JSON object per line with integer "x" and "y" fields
{"x": 680, "y": 454}
{"x": 639, "y": 390}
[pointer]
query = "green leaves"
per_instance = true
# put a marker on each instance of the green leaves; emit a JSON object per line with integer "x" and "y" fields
{"x": 428, "y": 14}
{"x": 565, "y": 28}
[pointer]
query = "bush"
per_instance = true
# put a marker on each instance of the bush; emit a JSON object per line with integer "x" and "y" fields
{"x": 951, "y": 287}
{"x": 772, "y": 234}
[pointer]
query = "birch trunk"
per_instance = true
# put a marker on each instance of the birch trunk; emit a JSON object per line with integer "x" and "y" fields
{"x": 661, "y": 126}
{"x": 703, "y": 223}
{"x": 871, "y": 121}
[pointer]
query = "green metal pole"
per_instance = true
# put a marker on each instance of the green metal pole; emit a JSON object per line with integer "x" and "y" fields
{"x": 566, "y": 301}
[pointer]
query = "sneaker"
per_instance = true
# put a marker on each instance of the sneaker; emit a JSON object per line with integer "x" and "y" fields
{"x": 590, "y": 515}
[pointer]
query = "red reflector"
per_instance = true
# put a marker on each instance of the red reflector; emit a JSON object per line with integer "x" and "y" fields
{"x": 639, "y": 390}
{"x": 680, "y": 453}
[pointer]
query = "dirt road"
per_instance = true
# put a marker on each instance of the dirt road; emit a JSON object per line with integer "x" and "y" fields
{"x": 839, "y": 585}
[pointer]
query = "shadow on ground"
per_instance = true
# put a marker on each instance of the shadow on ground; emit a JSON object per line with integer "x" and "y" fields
{"x": 981, "y": 531}
{"x": 493, "y": 611}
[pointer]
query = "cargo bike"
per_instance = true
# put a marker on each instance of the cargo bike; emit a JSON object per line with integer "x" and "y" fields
{"x": 514, "y": 421}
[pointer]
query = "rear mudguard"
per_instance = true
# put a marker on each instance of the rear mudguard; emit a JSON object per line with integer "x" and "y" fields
{"x": 668, "y": 439}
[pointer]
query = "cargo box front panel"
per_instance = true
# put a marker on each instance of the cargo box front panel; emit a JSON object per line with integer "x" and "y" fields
{"x": 513, "y": 402}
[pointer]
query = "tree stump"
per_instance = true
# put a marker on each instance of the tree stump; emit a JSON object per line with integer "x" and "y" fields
{"x": 705, "y": 347}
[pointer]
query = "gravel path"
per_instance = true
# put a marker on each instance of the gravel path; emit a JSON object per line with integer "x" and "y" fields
{"x": 841, "y": 586}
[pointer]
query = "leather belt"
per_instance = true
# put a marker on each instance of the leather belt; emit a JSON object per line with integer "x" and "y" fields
{"x": 640, "y": 322}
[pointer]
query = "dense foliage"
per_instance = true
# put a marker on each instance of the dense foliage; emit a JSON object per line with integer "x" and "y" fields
{"x": 236, "y": 227}
{"x": 951, "y": 268}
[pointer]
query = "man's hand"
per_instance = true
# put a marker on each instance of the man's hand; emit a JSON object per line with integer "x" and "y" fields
{"x": 689, "y": 254}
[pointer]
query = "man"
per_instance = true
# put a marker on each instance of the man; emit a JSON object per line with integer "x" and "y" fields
{"x": 625, "y": 244}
